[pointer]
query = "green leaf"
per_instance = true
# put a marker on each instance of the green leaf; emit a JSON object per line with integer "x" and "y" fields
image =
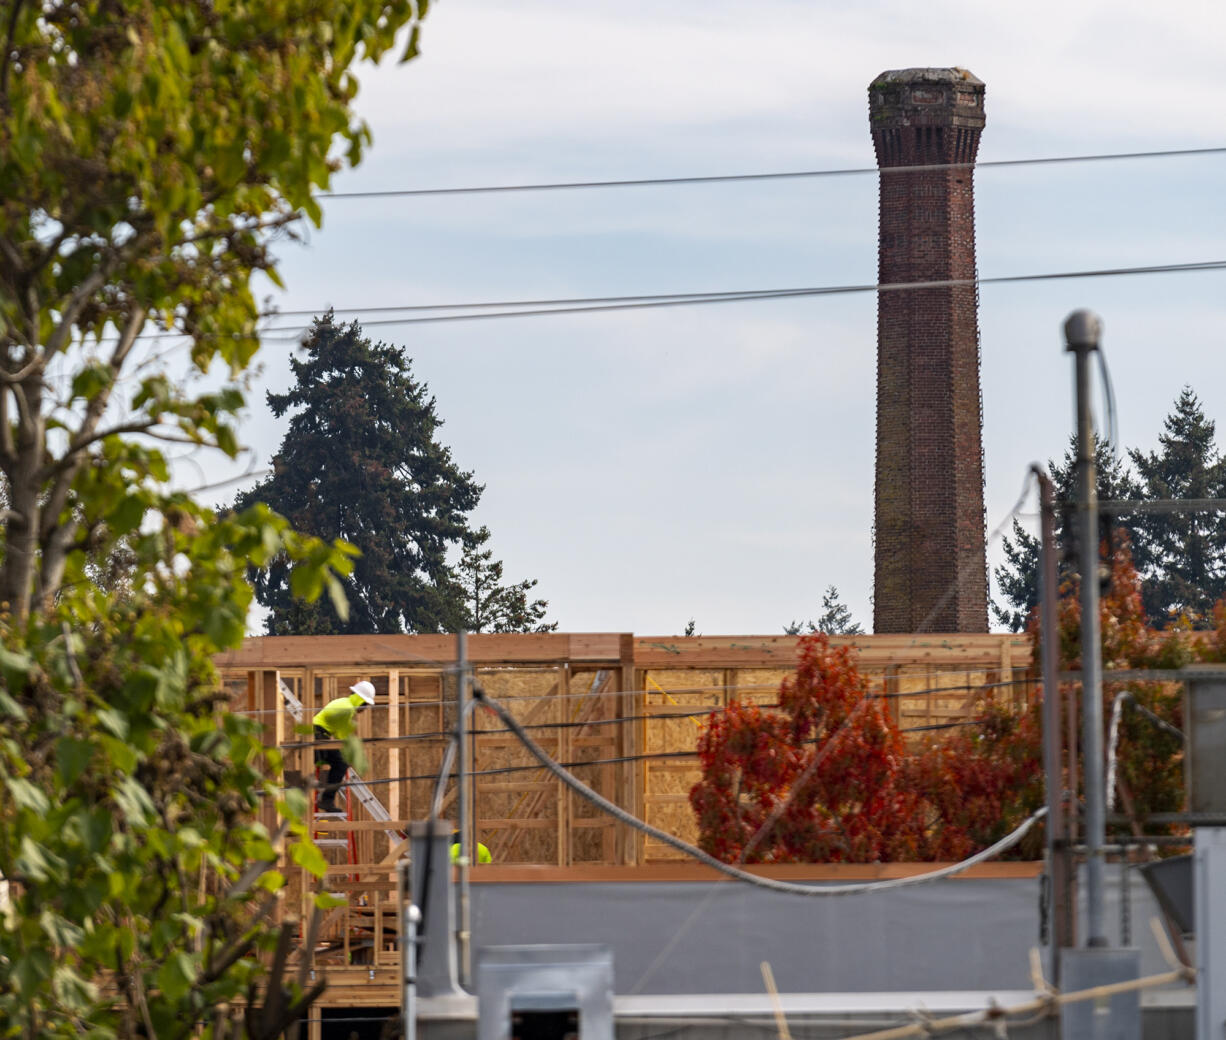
{"x": 329, "y": 900}
{"x": 72, "y": 990}
{"x": 38, "y": 862}
{"x": 128, "y": 514}
{"x": 177, "y": 975}
{"x": 134, "y": 801}
{"x": 60, "y": 931}
{"x": 308, "y": 856}
{"x": 30, "y": 971}
{"x": 115, "y": 722}
{"x": 27, "y": 796}
{"x": 72, "y": 756}
{"x": 411, "y": 50}
{"x": 306, "y": 582}
{"x": 10, "y": 707}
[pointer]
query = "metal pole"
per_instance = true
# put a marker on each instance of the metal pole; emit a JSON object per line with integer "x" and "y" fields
{"x": 1058, "y": 855}
{"x": 1083, "y": 331}
{"x": 463, "y": 805}
{"x": 409, "y": 918}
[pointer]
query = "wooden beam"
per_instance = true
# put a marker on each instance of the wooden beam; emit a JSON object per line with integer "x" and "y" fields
{"x": 430, "y": 650}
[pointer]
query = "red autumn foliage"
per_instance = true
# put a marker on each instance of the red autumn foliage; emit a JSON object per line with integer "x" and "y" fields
{"x": 813, "y": 783}
{"x": 827, "y": 778}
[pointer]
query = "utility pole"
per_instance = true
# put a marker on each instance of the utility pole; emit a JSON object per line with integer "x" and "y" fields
{"x": 1095, "y": 964}
{"x": 1082, "y": 332}
{"x": 1059, "y": 855}
{"x": 463, "y": 806}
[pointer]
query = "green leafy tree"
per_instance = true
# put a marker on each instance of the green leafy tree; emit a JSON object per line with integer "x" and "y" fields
{"x": 1182, "y": 556}
{"x": 1017, "y": 579}
{"x": 492, "y": 606}
{"x": 149, "y": 154}
{"x": 835, "y": 619}
{"x": 361, "y": 462}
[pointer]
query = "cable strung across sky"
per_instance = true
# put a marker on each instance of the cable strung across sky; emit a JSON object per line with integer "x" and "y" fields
{"x": 588, "y": 305}
{"x": 643, "y": 182}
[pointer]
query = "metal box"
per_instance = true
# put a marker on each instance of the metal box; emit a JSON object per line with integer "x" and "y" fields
{"x": 545, "y": 993}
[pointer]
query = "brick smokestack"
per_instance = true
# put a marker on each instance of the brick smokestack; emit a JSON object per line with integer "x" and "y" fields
{"x": 930, "y": 570}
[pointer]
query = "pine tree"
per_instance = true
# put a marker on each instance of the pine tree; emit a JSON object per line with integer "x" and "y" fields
{"x": 361, "y": 462}
{"x": 1182, "y": 556}
{"x": 1018, "y": 578}
{"x": 492, "y": 606}
{"x": 835, "y": 619}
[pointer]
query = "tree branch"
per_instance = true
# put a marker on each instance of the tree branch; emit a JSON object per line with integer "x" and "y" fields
{"x": 87, "y": 433}
{"x": 5, "y": 58}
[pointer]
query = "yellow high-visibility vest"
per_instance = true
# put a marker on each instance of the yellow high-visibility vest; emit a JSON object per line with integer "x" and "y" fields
{"x": 337, "y": 716}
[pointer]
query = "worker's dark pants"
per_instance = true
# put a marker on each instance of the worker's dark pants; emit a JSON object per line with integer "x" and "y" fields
{"x": 335, "y": 761}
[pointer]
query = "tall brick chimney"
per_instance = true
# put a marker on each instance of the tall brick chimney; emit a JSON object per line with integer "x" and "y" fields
{"x": 930, "y": 571}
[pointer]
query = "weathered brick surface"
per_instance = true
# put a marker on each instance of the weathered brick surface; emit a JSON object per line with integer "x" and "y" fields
{"x": 930, "y": 571}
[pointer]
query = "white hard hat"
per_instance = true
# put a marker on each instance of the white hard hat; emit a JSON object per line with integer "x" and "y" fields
{"x": 364, "y": 690}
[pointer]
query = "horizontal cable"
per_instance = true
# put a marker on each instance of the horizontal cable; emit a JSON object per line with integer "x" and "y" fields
{"x": 580, "y": 304}
{"x": 666, "y": 711}
{"x": 648, "y": 756}
{"x": 642, "y": 182}
{"x": 409, "y": 738}
{"x": 694, "y": 299}
{"x": 1163, "y": 505}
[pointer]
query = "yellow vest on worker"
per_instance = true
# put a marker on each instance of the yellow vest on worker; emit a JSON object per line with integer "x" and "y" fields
{"x": 483, "y": 854}
{"x": 337, "y": 716}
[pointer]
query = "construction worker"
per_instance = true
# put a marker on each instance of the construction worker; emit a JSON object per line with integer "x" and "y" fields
{"x": 335, "y": 721}
{"x": 483, "y": 854}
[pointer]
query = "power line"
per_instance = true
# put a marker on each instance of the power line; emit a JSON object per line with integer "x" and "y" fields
{"x": 438, "y": 735}
{"x": 646, "y": 756}
{"x": 640, "y": 182}
{"x": 594, "y": 304}
{"x": 666, "y": 711}
{"x": 693, "y": 299}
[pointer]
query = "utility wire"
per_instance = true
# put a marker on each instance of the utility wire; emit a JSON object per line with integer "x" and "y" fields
{"x": 641, "y": 182}
{"x": 596, "y": 304}
{"x": 648, "y": 756}
{"x": 693, "y": 299}
{"x": 626, "y": 720}
{"x": 790, "y": 888}
{"x": 665, "y": 709}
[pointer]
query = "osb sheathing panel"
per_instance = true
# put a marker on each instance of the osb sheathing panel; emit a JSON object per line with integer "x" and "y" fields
{"x": 579, "y": 712}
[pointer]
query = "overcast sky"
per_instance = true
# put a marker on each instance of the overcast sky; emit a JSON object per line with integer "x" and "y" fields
{"x": 716, "y": 462}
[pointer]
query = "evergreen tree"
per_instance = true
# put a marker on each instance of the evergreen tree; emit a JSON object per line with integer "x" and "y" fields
{"x": 492, "y": 606}
{"x": 1018, "y": 578}
{"x": 835, "y": 619}
{"x": 361, "y": 462}
{"x": 1182, "y": 556}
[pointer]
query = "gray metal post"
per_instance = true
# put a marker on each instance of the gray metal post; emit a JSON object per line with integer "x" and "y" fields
{"x": 463, "y": 807}
{"x": 410, "y": 916}
{"x": 1209, "y": 906}
{"x": 1083, "y": 331}
{"x": 430, "y": 871}
{"x": 1059, "y": 860}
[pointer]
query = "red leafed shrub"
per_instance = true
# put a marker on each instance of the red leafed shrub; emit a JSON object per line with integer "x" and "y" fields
{"x": 826, "y": 778}
{"x": 814, "y": 782}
